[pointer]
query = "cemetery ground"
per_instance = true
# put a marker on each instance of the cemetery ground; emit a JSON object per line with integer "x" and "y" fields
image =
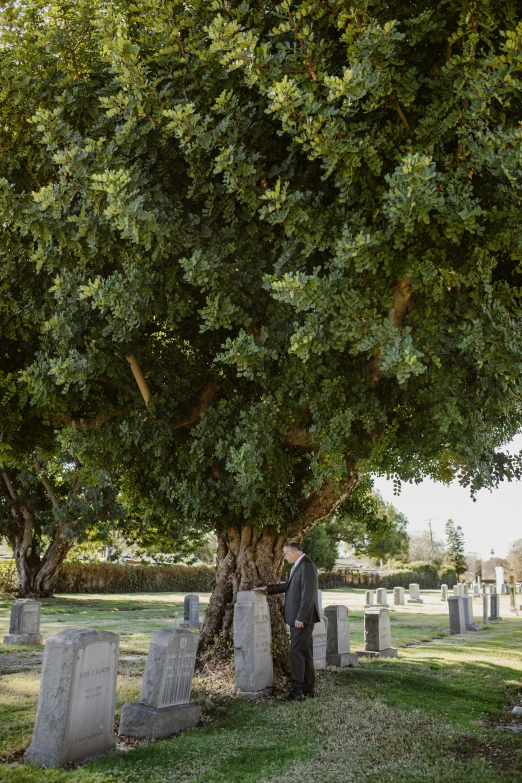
{"x": 429, "y": 715}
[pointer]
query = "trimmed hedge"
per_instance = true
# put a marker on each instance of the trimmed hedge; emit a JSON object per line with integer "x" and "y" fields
{"x": 425, "y": 575}
{"x": 77, "y": 577}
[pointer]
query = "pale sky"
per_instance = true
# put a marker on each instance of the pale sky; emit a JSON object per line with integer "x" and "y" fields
{"x": 494, "y": 521}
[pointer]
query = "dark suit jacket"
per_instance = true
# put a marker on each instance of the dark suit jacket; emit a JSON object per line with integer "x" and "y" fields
{"x": 300, "y": 594}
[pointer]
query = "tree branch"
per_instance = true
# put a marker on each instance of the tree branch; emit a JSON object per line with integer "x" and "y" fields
{"x": 9, "y": 486}
{"x": 47, "y": 484}
{"x": 139, "y": 378}
{"x": 206, "y": 397}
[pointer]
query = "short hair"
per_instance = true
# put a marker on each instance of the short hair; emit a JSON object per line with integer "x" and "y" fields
{"x": 293, "y": 545}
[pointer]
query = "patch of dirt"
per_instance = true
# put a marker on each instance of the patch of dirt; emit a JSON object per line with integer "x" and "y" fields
{"x": 13, "y": 663}
{"x": 500, "y": 756}
{"x": 15, "y": 757}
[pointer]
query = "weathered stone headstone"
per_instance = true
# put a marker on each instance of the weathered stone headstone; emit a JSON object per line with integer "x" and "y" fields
{"x": 499, "y": 578}
{"x": 75, "y": 716}
{"x": 191, "y": 612}
{"x": 319, "y": 640}
{"x": 512, "y": 600}
{"x": 24, "y": 625}
{"x": 415, "y": 594}
{"x": 457, "y": 620}
{"x": 369, "y": 598}
{"x": 504, "y": 589}
{"x": 444, "y": 592}
{"x": 457, "y": 590}
{"x": 320, "y": 602}
{"x": 465, "y": 590}
{"x": 484, "y": 589}
{"x": 338, "y": 637}
{"x": 377, "y": 634}
{"x": 468, "y": 614}
{"x": 398, "y": 596}
{"x": 164, "y": 707}
{"x": 495, "y": 607}
{"x": 253, "y": 644}
{"x": 485, "y": 612}
{"x": 476, "y": 590}
{"x": 382, "y": 596}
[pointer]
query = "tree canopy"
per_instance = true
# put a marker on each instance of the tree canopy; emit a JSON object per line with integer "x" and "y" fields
{"x": 297, "y": 224}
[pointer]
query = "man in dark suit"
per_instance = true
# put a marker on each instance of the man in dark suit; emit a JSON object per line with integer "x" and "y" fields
{"x": 301, "y": 610}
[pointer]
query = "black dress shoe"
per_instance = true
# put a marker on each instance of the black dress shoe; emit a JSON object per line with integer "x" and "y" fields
{"x": 295, "y": 697}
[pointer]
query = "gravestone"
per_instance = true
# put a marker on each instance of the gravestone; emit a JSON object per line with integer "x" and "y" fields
{"x": 398, "y": 596}
{"x": 504, "y": 589}
{"x": 457, "y": 591}
{"x": 319, "y": 640}
{"x": 253, "y": 644}
{"x": 338, "y": 637}
{"x": 468, "y": 615}
{"x": 75, "y": 716}
{"x": 369, "y": 598}
{"x": 495, "y": 607}
{"x": 512, "y": 601}
{"x": 457, "y": 620}
{"x": 164, "y": 707}
{"x": 320, "y": 602}
{"x": 24, "y": 625}
{"x": 476, "y": 590}
{"x": 465, "y": 590}
{"x": 191, "y": 612}
{"x": 499, "y": 578}
{"x": 485, "y": 613}
{"x": 415, "y": 594}
{"x": 377, "y": 634}
{"x": 484, "y": 588}
{"x": 444, "y": 592}
{"x": 382, "y": 596}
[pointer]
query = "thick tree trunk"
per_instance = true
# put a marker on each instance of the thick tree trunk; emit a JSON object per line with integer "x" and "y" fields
{"x": 35, "y": 573}
{"x": 246, "y": 558}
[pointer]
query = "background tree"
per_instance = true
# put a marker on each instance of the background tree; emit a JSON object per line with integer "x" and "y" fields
{"x": 320, "y": 545}
{"x": 423, "y": 546}
{"x": 455, "y": 547}
{"x": 514, "y": 559}
{"x": 45, "y": 508}
{"x": 276, "y": 248}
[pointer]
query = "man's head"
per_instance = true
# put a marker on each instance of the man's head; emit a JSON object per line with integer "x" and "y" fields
{"x": 292, "y": 551}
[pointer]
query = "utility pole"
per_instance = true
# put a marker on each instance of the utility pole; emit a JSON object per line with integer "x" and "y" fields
{"x": 429, "y": 521}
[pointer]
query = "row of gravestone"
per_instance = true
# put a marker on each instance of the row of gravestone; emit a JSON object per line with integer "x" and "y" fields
{"x": 331, "y": 640}
{"x": 461, "y": 612}
{"x": 379, "y": 597}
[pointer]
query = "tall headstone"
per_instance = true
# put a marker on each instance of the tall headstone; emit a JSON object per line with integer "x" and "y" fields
{"x": 191, "y": 612}
{"x": 75, "y": 716}
{"x": 499, "y": 578}
{"x": 444, "y": 592}
{"x": 495, "y": 607}
{"x": 164, "y": 707}
{"x": 484, "y": 589}
{"x": 338, "y": 637}
{"x": 457, "y": 620}
{"x": 377, "y": 634}
{"x": 504, "y": 589}
{"x": 253, "y": 644}
{"x": 485, "y": 612}
{"x": 24, "y": 625}
{"x": 319, "y": 640}
{"x": 382, "y": 596}
{"x": 512, "y": 600}
{"x": 471, "y": 625}
{"x": 476, "y": 590}
{"x": 465, "y": 590}
{"x": 415, "y": 594}
{"x": 369, "y": 599}
{"x": 398, "y": 596}
{"x": 320, "y": 602}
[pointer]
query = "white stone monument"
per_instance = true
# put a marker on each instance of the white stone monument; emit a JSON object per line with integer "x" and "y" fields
{"x": 75, "y": 716}
{"x": 382, "y": 596}
{"x": 499, "y": 578}
{"x": 444, "y": 592}
{"x": 415, "y": 594}
{"x": 319, "y": 640}
{"x": 253, "y": 644}
{"x": 24, "y": 625}
{"x": 369, "y": 598}
{"x": 398, "y": 596}
{"x": 164, "y": 707}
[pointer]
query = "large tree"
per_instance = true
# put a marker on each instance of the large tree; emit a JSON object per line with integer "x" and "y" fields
{"x": 296, "y": 224}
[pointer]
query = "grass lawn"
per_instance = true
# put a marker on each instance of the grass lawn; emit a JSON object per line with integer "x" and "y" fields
{"x": 430, "y": 715}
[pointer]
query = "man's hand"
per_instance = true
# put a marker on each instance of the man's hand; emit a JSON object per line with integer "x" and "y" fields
{"x": 261, "y": 588}
{"x": 299, "y": 624}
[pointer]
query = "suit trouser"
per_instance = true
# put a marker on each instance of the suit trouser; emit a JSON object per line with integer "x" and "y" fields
{"x": 302, "y": 672}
